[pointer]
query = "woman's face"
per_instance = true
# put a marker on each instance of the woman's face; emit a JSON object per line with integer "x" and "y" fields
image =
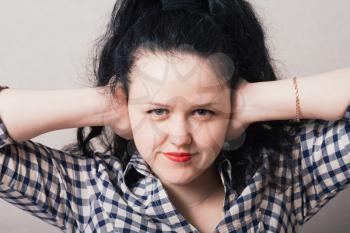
{"x": 177, "y": 104}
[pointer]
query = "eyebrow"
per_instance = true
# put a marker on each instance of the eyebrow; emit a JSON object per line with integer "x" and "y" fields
{"x": 198, "y": 105}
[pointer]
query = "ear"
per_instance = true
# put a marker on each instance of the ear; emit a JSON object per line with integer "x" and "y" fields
{"x": 235, "y": 129}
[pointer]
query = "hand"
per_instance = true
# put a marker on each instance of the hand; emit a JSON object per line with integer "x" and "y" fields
{"x": 118, "y": 116}
{"x": 238, "y": 121}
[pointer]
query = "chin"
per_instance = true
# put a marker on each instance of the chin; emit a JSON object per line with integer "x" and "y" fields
{"x": 176, "y": 179}
{"x": 176, "y": 182}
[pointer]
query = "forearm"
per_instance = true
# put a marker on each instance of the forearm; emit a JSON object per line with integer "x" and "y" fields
{"x": 29, "y": 113}
{"x": 323, "y": 96}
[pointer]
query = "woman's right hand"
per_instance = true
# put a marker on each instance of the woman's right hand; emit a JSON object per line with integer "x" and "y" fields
{"x": 118, "y": 116}
{"x": 239, "y": 121}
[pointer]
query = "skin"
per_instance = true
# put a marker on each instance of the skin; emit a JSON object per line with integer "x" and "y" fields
{"x": 182, "y": 82}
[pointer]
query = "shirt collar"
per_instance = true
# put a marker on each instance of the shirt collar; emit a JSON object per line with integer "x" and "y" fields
{"x": 144, "y": 188}
{"x": 139, "y": 164}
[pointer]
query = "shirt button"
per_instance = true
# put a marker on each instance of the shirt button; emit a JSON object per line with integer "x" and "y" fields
{"x": 102, "y": 198}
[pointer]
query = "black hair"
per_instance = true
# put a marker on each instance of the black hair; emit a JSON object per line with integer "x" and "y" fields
{"x": 230, "y": 27}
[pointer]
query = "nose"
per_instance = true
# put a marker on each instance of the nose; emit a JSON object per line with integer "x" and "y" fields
{"x": 181, "y": 140}
{"x": 180, "y": 134}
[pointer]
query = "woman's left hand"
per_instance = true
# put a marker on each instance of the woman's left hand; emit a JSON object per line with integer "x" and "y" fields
{"x": 239, "y": 121}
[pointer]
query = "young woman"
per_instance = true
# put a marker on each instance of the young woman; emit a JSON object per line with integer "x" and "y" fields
{"x": 194, "y": 131}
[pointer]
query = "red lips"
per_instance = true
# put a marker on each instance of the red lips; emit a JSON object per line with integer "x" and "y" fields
{"x": 178, "y": 156}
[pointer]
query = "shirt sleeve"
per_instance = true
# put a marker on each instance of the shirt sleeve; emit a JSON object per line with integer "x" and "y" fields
{"x": 43, "y": 181}
{"x": 324, "y": 162}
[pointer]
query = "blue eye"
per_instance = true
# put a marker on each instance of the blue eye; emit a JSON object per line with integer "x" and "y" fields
{"x": 162, "y": 111}
{"x": 208, "y": 112}
{"x": 157, "y": 111}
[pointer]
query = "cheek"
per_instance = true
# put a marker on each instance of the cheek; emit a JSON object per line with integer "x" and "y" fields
{"x": 211, "y": 136}
{"x": 146, "y": 137}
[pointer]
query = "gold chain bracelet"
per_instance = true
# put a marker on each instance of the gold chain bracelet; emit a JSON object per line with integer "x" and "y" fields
{"x": 297, "y": 101}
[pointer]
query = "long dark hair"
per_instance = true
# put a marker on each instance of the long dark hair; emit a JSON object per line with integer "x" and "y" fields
{"x": 227, "y": 26}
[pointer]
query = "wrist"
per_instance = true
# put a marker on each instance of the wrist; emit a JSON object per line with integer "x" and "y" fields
{"x": 97, "y": 106}
{"x": 270, "y": 100}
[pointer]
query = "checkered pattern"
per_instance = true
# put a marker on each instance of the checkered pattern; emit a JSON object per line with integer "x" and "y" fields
{"x": 78, "y": 194}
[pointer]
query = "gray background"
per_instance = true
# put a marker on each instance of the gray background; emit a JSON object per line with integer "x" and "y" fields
{"x": 48, "y": 45}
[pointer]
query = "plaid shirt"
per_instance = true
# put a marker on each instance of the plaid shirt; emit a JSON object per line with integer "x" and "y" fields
{"x": 80, "y": 194}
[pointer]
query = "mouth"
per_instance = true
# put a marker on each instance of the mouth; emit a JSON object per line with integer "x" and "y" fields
{"x": 178, "y": 157}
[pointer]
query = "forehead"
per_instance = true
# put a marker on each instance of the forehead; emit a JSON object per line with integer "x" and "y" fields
{"x": 165, "y": 77}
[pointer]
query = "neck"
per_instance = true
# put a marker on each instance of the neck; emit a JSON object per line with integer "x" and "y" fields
{"x": 202, "y": 190}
